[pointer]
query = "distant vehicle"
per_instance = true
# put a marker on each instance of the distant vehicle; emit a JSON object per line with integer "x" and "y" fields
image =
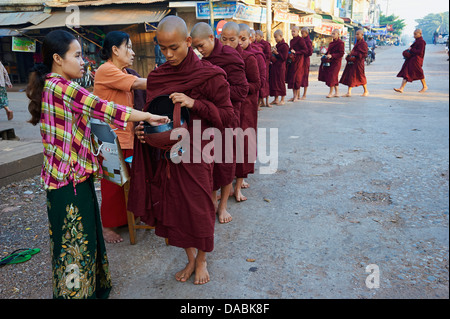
{"x": 369, "y": 57}
{"x": 442, "y": 40}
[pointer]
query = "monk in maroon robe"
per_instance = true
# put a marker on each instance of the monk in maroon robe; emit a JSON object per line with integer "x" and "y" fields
{"x": 330, "y": 74}
{"x": 232, "y": 63}
{"x": 181, "y": 208}
{"x": 306, "y": 61}
{"x": 267, "y": 50}
{"x": 412, "y": 67}
{"x": 295, "y": 69}
{"x": 258, "y": 52}
{"x": 278, "y": 69}
{"x": 354, "y": 74}
{"x": 231, "y": 35}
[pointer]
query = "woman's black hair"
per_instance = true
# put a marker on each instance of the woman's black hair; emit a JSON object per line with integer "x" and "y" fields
{"x": 56, "y": 42}
{"x": 113, "y": 38}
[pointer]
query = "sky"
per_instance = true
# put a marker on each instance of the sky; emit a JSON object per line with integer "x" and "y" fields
{"x": 412, "y": 9}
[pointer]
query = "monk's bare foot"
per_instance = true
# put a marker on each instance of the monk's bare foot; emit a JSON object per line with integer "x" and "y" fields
{"x": 201, "y": 272}
{"x": 224, "y": 216}
{"x": 398, "y": 90}
{"x": 365, "y": 94}
{"x": 291, "y": 100}
{"x": 347, "y": 95}
{"x": 245, "y": 184}
{"x": 111, "y": 236}
{"x": 336, "y": 95}
{"x": 282, "y": 103}
{"x": 303, "y": 97}
{"x": 329, "y": 96}
{"x": 186, "y": 273}
{"x": 239, "y": 197}
{"x": 424, "y": 89}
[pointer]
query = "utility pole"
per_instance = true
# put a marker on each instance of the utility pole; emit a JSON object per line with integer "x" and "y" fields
{"x": 268, "y": 20}
{"x": 211, "y": 14}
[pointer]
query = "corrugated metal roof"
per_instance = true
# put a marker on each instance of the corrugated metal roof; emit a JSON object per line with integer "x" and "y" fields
{"x": 17, "y": 18}
{"x": 103, "y": 16}
{"x": 84, "y": 3}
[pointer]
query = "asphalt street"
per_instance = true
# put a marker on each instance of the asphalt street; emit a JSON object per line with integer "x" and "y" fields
{"x": 357, "y": 207}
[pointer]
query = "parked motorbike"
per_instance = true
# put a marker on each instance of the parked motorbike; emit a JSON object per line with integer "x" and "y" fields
{"x": 369, "y": 57}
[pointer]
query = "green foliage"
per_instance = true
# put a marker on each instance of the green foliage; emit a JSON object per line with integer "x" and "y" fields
{"x": 397, "y": 24}
{"x": 433, "y": 22}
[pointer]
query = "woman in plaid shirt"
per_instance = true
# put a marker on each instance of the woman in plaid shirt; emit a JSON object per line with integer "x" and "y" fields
{"x": 63, "y": 110}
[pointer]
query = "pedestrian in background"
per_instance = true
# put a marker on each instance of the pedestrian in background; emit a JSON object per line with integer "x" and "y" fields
{"x": 113, "y": 83}
{"x": 63, "y": 109}
{"x": 5, "y": 82}
{"x": 160, "y": 59}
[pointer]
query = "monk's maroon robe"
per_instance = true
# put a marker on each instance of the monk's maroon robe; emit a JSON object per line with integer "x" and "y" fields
{"x": 278, "y": 70}
{"x": 295, "y": 69}
{"x": 330, "y": 74}
{"x": 249, "y": 110}
{"x": 232, "y": 63}
{"x": 354, "y": 74}
{"x": 412, "y": 67}
{"x": 259, "y": 55}
{"x": 176, "y": 198}
{"x": 306, "y": 62}
{"x": 267, "y": 50}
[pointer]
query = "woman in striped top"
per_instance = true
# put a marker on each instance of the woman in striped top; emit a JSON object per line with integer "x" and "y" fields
{"x": 63, "y": 110}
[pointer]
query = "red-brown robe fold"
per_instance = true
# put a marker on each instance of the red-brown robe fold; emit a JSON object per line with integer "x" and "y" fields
{"x": 330, "y": 74}
{"x": 294, "y": 74}
{"x": 249, "y": 110}
{"x": 354, "y": 74}
{"x": 278, "y": 70}
{"x": 267, "y": 50}
{"x": 176, "y": 198}
{"x": 412, "y": 67}
{"x": 306, "y": 62}
{"x": 232, "y": 63}
{"x": 260, "y": 58}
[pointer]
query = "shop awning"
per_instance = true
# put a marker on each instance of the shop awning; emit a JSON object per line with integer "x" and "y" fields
{"x": 332, "y": 18}
{"x": 18, "y": 18}
{"x": 99, "y": 16}
{"x": 301, "y": 5}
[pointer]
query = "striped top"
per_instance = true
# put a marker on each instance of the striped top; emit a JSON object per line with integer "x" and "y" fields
{"x": 69, "y": 151}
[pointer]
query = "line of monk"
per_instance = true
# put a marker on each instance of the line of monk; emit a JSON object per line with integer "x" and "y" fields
{"x": 222, "y": 90}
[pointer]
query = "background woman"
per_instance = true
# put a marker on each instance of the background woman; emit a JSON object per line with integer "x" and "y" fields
{"x": 5, "y": 82}
{"x": 114, "y": 83}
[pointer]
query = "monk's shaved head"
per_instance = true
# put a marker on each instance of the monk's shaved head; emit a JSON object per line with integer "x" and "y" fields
{"x": 360, "y": 31}
{"x": 295, "y": 27}
{"x": 173, "y": 39}
{"x": 230, "y": 34}
{"x": 172, "y": 24}
{"x": 245, "y": 28}
{"x": 231, "y": 27}
{"x": 201, "y": 30}
{"x": 259, "y": 32}
{"x": 278, "y": 32}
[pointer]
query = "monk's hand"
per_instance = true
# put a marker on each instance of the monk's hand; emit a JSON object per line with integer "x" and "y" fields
{"x": 157, "y": 119}
{"x": 183, "y": 99}
{"x": 139, "y": 131}
{"x": 329, "y": 56}
{"x": 293, "y": 51}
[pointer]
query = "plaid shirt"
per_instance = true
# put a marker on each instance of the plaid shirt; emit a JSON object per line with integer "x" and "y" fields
{"x": 69, "y": 152}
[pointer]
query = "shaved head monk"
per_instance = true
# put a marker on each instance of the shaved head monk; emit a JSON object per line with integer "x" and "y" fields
{"x": 412, "y": 67}
{"x": 231, "y": 36}
{"x": 306, "y": 61}
{"x": 180, "y": 206}
{"x": 294, "y": 76}
{"x": 278, "y": 70}
{"x": 246, "y": 44}
{"x": 232, "y": 63}
{"x": 329, "y": 70}
{"x": 354, "y": 74}
{"x": 267, "y": 50}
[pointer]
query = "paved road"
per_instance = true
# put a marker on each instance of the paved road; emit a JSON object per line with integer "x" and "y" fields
{"x": 361, "y": 182}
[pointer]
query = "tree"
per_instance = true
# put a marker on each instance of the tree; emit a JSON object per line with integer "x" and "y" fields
{"x": 433, "y": 23}
{"x": 397, "y": 24}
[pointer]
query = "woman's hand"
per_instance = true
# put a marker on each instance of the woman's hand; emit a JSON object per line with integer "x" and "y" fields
{"x": 155, "y": 120}
{"x": 183, "y": 99}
